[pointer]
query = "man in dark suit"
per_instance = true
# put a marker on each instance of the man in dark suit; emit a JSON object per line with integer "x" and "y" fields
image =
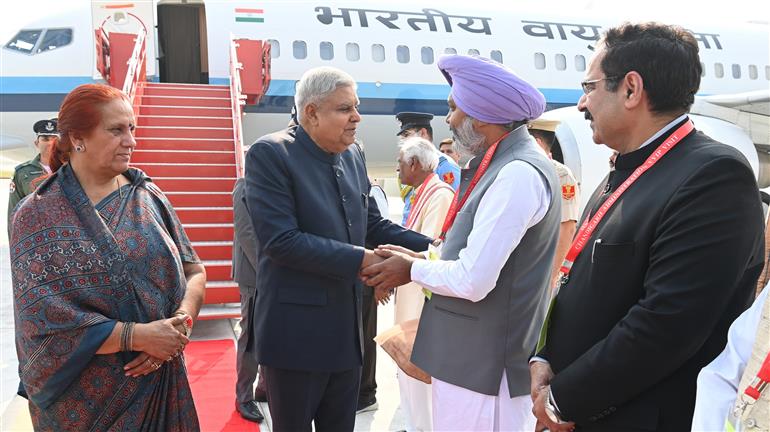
{"x": 308, "y": 195}
{"x": 245, "y": 274}
{"x": 670, "y": 265}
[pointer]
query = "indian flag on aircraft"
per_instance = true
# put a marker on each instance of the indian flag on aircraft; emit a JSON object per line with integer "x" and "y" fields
{"x": 249, "y": 15}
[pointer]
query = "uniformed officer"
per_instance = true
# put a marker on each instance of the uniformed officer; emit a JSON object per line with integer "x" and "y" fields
{"x": 447, "y": 147}
{"x": 418, "y": 124}
{"x": 26, "y": 174}
{"x": 544, "y": 132}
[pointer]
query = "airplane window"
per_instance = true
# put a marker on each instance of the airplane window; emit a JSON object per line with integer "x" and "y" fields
{"x": 352, "y": 52}
{"x": 300, "y": 50}
{"x": 539, "y": 61}
{"x": 702, "y": 69}
{"x": 378, "y": 53}
{"x": 767, "y": 73}
{"x": 327, "y": 50}
{"x": 496, "y": 56}
{"x": 560, "y": 61}
{"x": 473, "y": 52}
{"x": 719, "y": 70}
{"x": 426, "y": 53}
{"x": 450, "y": 51}
{"x": 736, "y": 71}
{"x": 24, "y": 41}
{"x": 55, "y": 38}
{"x": 402, "y": 54}
{"x": 580, "y": 63}
{"x": 753, "y": 72}
{"x": 275, "y": 48}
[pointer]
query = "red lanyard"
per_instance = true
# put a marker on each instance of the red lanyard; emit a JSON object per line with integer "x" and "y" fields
{"x": 418, "y": 195}
{"x": 588, "y": 226}
{"x": 761, "y": 381}
{"x": 456, "y": 206}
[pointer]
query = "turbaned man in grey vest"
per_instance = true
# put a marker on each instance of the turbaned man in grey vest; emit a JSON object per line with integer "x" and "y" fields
{"x": 489, "y": 289}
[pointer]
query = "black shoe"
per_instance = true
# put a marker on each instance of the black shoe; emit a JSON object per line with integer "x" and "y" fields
{"x": 250, "y": 411}
{"x": 367, "y": 405}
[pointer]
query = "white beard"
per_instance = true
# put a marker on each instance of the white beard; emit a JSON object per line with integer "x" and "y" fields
{"x": 468, "y": 142}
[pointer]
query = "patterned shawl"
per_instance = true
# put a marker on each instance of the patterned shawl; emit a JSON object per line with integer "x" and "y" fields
{"x": 77, "y": 269}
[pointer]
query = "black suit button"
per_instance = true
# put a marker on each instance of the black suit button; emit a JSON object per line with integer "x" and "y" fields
{"x": 338, "y": 173}
{"x": 344, "y": 198}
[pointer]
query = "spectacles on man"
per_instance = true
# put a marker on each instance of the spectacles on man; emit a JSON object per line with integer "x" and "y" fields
{"x": 590, "y": 85}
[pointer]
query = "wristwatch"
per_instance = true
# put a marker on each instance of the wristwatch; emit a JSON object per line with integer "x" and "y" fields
{"x": 551, "y": 410}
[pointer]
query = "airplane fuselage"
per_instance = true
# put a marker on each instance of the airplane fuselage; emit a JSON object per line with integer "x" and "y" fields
{"x": 391, "y": 50}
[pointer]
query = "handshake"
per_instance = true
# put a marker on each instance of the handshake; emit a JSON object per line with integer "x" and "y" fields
{"x": 387, "y": 267}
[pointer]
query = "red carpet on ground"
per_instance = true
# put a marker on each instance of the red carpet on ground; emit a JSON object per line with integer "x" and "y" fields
{"x": 211, "y": 371}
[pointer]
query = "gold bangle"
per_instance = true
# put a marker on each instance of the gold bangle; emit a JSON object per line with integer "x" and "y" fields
{"x": 186, "y": 324}
{"x": 130, "y": 338}
{"x": 126, "y": 337}
{"x": 187, "y": 329}
{"x": 122, "y": 338}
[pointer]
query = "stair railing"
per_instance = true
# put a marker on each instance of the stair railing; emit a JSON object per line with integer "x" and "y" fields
{"x": 136, "y": 74}
{"x": 237, "y": 101}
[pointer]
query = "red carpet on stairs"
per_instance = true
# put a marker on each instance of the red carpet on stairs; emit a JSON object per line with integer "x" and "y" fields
{"x": 211, "y": 371}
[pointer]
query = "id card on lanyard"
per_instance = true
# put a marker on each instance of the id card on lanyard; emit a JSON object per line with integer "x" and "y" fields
{"x": 750, "y": 396}
{"x": 590, "y": 224}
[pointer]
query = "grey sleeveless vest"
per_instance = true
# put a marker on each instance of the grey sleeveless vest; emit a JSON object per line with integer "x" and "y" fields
{"x": 470, "y": 344}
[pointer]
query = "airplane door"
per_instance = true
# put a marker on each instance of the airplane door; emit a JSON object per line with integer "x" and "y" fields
{"x": 182, "y": 53}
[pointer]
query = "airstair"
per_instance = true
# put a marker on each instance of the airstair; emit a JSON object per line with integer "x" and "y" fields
{"x": 189, "y": 141}
{"x": 185, "y": 143}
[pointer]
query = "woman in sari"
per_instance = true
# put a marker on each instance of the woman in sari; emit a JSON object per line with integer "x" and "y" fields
{"x": 106, "y": 284}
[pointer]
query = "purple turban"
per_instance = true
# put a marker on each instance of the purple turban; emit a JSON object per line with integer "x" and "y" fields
{"x": 489, "y": 91}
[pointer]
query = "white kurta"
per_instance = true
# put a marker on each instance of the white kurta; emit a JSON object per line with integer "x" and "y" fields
{"x": 718, "y": 381}
{"x": 416, "y": 395}
{"x": 427, "y": 221}
{"x": 517, "y": 200}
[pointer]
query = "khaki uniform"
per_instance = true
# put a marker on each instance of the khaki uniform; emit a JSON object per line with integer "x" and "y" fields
{"x": 570, "y": 192}
{"x": 756, "y": 416}
{"x": 21, "y": 183}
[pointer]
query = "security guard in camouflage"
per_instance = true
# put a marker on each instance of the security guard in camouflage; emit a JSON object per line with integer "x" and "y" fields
{"x": 25, "y": 175}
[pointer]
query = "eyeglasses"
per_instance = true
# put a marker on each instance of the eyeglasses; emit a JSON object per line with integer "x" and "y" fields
{"x": 590, "y": 85}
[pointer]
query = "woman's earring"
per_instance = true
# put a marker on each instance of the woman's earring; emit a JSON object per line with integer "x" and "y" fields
{"x": 79, "y": 148}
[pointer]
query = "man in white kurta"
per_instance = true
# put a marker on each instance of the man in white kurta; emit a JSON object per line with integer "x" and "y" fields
{"x": 720, "y": 381}
{"x": 417, "y": 161}
{"x": 489, "y": 288}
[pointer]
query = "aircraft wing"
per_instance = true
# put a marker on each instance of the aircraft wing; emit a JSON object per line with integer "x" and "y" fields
{"x": 750, "y": 111}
